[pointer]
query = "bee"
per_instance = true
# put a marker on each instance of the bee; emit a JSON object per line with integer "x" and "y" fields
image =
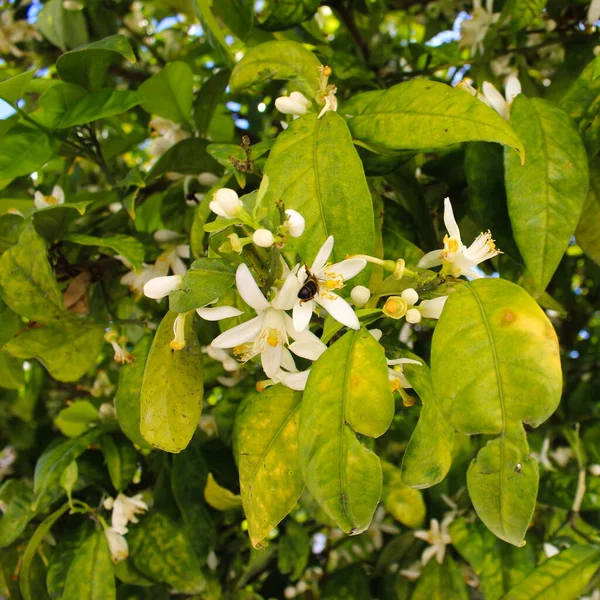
{"x": 310, "y": 288}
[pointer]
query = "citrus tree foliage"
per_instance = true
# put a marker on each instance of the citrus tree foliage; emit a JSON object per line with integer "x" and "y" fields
{"x": 299, "y": 299}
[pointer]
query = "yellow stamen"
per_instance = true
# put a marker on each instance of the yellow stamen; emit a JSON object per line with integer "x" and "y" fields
{"x": 51, "y": 199}
{"x": 395, "y": 307}
{"x": 273, "y": 339}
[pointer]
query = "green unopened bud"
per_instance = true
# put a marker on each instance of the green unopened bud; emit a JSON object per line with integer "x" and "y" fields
{"x": 395, "y": 307}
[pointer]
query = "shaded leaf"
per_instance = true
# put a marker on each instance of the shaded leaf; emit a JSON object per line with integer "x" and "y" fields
{"x": 121, "y": 460}
{"x": 25, "y": 149}
{"x": 169, "y": 93}
{"x": 428, "y": 456}
{"x": 267, "y": 442}
{"x": 587, "y": 233}
{"x": 13, "y": 89}
{"x": 441, "y": 582}
{"x": 188, "y": 157}
{"x": 546, "y": 195}
{"x": 347, "y": 393}
{"x": 405, "y": 504}
{"x": 90, "y": 575}
{"x": 77, "y": 418}
{"x": 127, "y": 246}
{"x": 127, "y": 398}
{"x": 172, "y": 388}
{"x": 64, "y": 28}
{"x": 278, "y": 59}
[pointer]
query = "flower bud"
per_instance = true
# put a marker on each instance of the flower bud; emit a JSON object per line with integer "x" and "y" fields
{"x": 294, "y": 223}
{"x": 178, "y": 341}
{"x": 159, "y": 287}
{"x": 263, "y": 238}
{"x": 295, "y": 104}
{"x": 411, "y": 296}
{"x": 117, "y": 544}
{"x": 413, "y": 315}
{"x": 226, "y": 203}
{"x": 395, "y": 307}
{"x": 360, "y": 295}
{"x": 594, "y": 470}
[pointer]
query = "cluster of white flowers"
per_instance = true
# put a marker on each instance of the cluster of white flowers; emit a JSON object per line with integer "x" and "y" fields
{"x": 165, "y": 133}
{"x": 474, "y": 30}
{"x": 492, "y": 97}
{"x": 124, "y": 510}
{"x": 54, "y": 199}
{"x": 13, "y": 32}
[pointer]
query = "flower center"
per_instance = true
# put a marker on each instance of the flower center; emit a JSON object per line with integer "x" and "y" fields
{"x": 273, "y": 338}
{"x": 51, "y": 199}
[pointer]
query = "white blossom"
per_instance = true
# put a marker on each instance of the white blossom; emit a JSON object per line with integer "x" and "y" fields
{"x": 296, "y": 104}
{"x": 294, "y": 223}
{"x": 329, "y": 277}
{"x": 125, "y": 510}
{"x": 593, "y": 13}
{"x": 396, "y": 372}
{"x": 360, "y": 295}
{"x": 263, "y": 238}
{"x": 438, "y": 538}
{"x": 117, "y": 545}
{"x": 494, "y": 98}
{"x": 226, "y": 203}
{"x": 474, "y": 30}
{"x": 166, "y": 134}
{"x": 55, "y": 198}
{"x": 456, "y": 257}
{"x": 268, "y": 333}
{"x": 159, "y": 287}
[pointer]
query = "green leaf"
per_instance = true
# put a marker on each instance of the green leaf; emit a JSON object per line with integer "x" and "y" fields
{"x": 160, "y": 550}
{"x": 67, "y": 348}
{"x": 587, "y": 233}
{"x": 25, "y": 149}
{"x": 440, "y": 582}
{"x": 278, "y": 15}
{"x": 53, "y": 462}
{"x": 172, "y": 389}
{"x": 64, "y": 28}
{"x": 516, "y": 348}
{"x": 13, "y": 89}
{"x": 121, "y": 460}
{"x": 270, "y": 475}
{"x": 188, "y": 480}
{"x": 314, "y": 169}
{"x": 278, "y": 59}
{"x": 77, "y": 418}
{"x": 581, "y": 103}
{"x": 206, "y": 280}
{"x": 127, "y": 246}
{"x": 349, "y": 582}
{"x": 68, "y": 479}
{"x": 562, "y": 577}
{"x": 293, "y": 551}
{"x": 402, "y": 502}
{"x": 209, "y": 96}
{"x": 547, "y": 194}
{"x": 503, "y": 483}
{"x": 90, "y": 575}
{"x": 25, "y": 580}
{"x": 220, "y": 497}
{"x": 523, "y": 12}
{"x": 28, "y": 283}
{"x": 127, "y": 398}
{"x": 188, "y": 157}
{"x": 169, "y": 93}
{"x": 16, "y": 497}
{"x": 88, "y": 64}
{"x": 348, "y": 392}
{"x": 428, "y": 456}
{"x": 421, "y": 114}
{"x": 500, "y": 566}
{"x": 67, "y": 104}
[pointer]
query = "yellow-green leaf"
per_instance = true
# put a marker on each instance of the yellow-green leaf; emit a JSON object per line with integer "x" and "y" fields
{"x": 546, "y": 195}
{"x": 347, "y": 392}
{"x": 172, "y": 389}
{"x": 267, "y": 441}
{"x": 278, "y": 59}
{"x": 404, "y": 503}
{"x": 219, "y": 497}
{"x": 421, "y": 114}
{"x": 587, "y": 233}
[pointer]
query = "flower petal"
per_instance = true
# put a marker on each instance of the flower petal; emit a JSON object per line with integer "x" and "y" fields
{"x": 240, "y": 334}
{"x": 495, "y": 98}
{"x": 348, "y": 268}
{"x": 159, "y": 287}
{"x": 287, "y": 361}
{"x": 217, "y": 313}
{"x": 450, "y": 221}
{"x": 431, "y": 259}
{"x": 249, "y": 290}
{"x": 322, "y": 255}
{"x": 432, "y": 309}
{"x": 296, "y": 381}
{"x": 271, "y": 358}
{"x": 309, "y": 350}
{"x": 59, "y": 194}
{"x": 339, "y": 309}
{"x": 404, "y": 361}
{"x": 288, "y": 294}
{"x": 302, "y": 313}
{"x": 39, "y": 200}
